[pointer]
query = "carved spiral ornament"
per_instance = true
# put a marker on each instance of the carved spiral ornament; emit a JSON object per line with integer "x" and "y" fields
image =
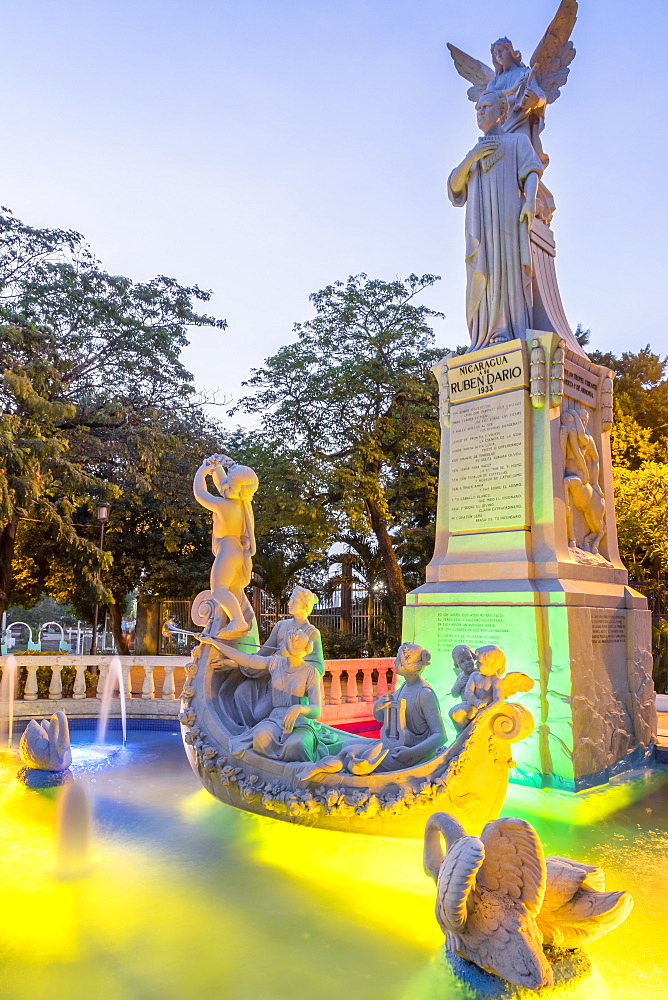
{"x": 203, "y": 608}
{"x": 512, "y": 722}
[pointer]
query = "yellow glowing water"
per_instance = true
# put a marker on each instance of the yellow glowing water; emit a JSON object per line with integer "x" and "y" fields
{"x": 190, "y": 898}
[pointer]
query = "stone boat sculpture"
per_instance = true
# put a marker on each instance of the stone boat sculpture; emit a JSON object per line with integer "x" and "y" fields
{"x": 468, "y": 778}
{"x": 250, "y": 712}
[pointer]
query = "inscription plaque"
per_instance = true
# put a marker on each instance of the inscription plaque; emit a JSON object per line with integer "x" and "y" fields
{"x": 580, "y": 384}
{"x": 487, "y": 464}
{"x": 485, "y": 376}
{"x": 475, "y": 627}
{"x": 607, "y": 627}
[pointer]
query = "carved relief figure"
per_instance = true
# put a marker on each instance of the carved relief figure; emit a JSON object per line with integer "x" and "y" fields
{"x": 582, "y": 491}
{"x": 528, "y": 89}
{"x": 233, "y": 541}
{"x": 498, "y": 182}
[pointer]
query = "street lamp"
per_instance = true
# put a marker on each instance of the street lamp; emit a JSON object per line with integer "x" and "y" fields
{"x": 103, "y": 509}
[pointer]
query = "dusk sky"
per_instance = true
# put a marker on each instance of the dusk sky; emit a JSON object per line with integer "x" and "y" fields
{"x": 264, "y": 148}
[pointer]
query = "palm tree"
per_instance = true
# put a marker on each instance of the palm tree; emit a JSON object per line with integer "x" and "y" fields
{"x": 366, "y": 564}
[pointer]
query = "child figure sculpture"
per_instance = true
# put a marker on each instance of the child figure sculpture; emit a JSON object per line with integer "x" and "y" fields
{"x": 288, "y": 733}
{"x": 486, "y": 685}
{"x": 233, "y": 541}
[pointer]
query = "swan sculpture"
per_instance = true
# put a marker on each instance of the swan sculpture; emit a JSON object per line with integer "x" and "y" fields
{"x": 45, "y": 745}
{"x": 499, "y": 900}
{"x": 490, "y": 891}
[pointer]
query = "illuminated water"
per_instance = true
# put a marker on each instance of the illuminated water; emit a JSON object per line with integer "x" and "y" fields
{"x": 187, "y": 897}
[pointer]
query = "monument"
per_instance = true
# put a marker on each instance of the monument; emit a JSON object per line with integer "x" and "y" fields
{"x": 526, "y": 548}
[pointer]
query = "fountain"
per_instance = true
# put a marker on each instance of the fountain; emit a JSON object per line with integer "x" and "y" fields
{"x": 113, "y": 681}
{"x": 7, "y": 696}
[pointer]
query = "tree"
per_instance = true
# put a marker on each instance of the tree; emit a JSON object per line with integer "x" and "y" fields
{"x": 354, "y": 395}
{"x": 641, "y": 502}
{"x": 640, "y": 431}
{"x": 89, "y": 360}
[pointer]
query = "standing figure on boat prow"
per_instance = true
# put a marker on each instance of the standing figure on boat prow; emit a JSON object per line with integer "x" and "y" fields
{"x": 412, "y": 725}
{"x": 233, "y": 546}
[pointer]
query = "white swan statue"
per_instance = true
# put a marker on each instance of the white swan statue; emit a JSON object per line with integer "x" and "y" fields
{"x": 45, "y": 745}
{"x": 499, "y": 901}
{"x": 490, "y": 891}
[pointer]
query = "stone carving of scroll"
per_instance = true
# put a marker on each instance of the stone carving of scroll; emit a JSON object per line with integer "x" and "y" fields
{"x": 557, "y": 375}
{"x": 441, "y": 372}
{"x": 538, "y": 373}
{"x": 582, "y": 491}
{"x": 606, "y": 402}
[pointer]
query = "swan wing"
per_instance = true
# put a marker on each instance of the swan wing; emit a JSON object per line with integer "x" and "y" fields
{"x": 514, "y": 863}
{"x": 455, "y": 881}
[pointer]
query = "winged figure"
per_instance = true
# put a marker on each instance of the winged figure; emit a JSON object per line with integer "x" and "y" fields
{"x": 499, "y": 900}
{"x": 528, "y": 89}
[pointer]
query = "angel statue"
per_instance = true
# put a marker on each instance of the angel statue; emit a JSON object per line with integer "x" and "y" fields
{"x": 528, "y": 89}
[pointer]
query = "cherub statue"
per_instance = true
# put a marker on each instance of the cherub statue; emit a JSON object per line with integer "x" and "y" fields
{"x": 289, "y": 732}
{"x": 528, "y": 89}
{"x": 486, "y": 686}
{"x": 233, "y": 542}
{"x": 464, "y": 665}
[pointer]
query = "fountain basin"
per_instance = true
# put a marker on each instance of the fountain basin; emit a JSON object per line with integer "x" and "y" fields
{"x": 188, "y": 895}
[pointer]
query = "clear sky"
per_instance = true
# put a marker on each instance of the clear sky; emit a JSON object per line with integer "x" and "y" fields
{"x": 264, "y": 148}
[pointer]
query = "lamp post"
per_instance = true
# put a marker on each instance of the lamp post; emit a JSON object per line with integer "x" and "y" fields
{"x": 103, "y": 509}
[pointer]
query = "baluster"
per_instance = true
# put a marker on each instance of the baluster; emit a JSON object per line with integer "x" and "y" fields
{"x": 148, "y": 687}
{"x": 168, "y": 687}
{"x": 393, "y": 679}
{"x": 127, "y": 680}
{"x": 56, "y": 685}
{"x": 101, "y": 680}
{"x": 351, "y": 686}
{"x": 323, "y": 697}
{"x": 367, "y": 685}
{"x": 382, "y": 680}
{"x": 30, "y": 693}
{"x": 335, "y": 686}
{"x": 79, "y": 689}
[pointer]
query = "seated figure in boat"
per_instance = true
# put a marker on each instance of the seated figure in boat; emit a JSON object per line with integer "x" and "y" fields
{"x": 247, "y": 697}
{"x": 487, "y": 686}
{"x": 412, "y": 725}
{"x": 289, "y": 732}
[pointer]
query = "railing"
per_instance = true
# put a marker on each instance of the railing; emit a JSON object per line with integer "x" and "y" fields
{"x": 349, "y": 687}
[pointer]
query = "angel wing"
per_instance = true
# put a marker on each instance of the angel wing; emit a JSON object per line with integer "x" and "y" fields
{"x": 514, "y": 862}
{"x": 514, "y": 683}
{"x": 555, "y": 51}
{"x": 473, "y": 70}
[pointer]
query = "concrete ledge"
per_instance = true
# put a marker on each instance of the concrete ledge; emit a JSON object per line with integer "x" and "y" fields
{"x": 89, "y": 708}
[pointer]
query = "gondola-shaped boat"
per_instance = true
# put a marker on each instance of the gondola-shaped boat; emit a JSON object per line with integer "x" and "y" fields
{"x": 468, "y": 779}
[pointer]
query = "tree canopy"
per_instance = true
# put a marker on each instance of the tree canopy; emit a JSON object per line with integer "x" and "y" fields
{"x": 355, "y": 398}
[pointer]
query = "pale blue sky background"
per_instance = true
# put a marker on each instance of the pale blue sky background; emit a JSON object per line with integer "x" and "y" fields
{"x": 264, "y": 148}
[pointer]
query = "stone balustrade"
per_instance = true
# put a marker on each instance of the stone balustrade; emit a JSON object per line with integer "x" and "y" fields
{"x": 153, "y": 684}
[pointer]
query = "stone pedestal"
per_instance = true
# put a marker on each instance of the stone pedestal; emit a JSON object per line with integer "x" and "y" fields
{"x": 526, "y": 557}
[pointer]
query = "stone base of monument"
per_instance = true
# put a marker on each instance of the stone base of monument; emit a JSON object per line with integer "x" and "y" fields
{"x": 593, "y": 700}
{"x": 526, "y": 557}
